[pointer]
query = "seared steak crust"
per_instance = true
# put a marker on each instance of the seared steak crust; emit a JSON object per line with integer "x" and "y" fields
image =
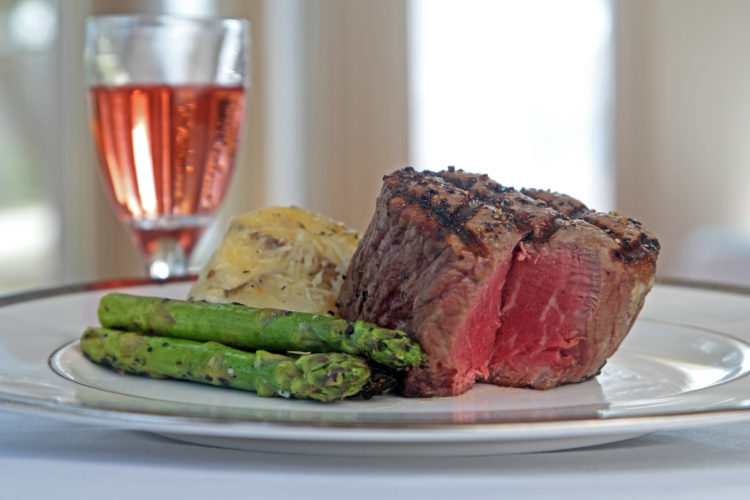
{"x": 515, "y": 288}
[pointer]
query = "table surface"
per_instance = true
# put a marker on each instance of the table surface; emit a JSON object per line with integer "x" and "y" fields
{"x": 44, "y": 457}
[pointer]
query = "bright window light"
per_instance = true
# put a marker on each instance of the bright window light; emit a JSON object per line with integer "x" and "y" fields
{"x": 516, "y": 89}
{"x": 28, "y": 247}
{"x": 33, "y": 24}
{"x": 189, "y": 7}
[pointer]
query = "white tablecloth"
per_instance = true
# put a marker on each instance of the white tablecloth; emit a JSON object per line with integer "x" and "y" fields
{"x": 46, "y": 458}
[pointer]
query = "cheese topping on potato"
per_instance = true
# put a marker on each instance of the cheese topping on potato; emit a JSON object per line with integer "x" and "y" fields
{"x": 279, "y": 257}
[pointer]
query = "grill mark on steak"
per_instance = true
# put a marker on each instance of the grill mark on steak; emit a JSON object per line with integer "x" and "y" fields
{"x": 635, "y": 243}
{"x": 452, "y": 222}
{"x": 528, "y": 215}
{"x": 452, "y": 218}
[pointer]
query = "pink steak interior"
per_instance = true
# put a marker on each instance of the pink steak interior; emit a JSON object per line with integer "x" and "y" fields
{"x": 547, "y": 297}
{"x": 476, "y": 338}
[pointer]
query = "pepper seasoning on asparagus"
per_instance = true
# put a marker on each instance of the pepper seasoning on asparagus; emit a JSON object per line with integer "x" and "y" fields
{"x": 324, "y": 377}
{"x": 252, "y": 328}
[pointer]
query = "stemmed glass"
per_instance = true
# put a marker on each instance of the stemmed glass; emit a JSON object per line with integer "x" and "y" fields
{"x": 167, "y": 102}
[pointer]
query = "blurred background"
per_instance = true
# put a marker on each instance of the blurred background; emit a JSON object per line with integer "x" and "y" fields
{"x": 639, "y": 106}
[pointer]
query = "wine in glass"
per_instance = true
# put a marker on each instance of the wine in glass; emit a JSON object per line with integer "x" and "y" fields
{"x": 167, "y": 101}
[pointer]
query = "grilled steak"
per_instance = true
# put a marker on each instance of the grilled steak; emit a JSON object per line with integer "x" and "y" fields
{"x": 521, "y": 288}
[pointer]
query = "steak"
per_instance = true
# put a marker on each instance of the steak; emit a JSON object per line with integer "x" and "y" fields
{"x": 524, "y": 288}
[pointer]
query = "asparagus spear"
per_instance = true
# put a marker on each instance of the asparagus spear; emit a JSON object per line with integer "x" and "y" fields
{"x": 251, "y": 328}
{"x": 325, "y": 377}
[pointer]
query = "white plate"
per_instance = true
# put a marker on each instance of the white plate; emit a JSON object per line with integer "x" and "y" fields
{"x": 685, "y": 364}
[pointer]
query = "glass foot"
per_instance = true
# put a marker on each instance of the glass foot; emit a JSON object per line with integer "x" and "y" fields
{"x": 167, "y": 259}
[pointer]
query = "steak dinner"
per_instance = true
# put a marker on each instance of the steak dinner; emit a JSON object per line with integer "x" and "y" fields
{"x": 524, "y": 288}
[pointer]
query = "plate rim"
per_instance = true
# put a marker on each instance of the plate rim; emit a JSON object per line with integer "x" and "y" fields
{"x": 424, "y": 432}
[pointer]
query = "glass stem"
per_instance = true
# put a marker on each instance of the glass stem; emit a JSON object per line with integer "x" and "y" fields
{"x": 167, "y": 259}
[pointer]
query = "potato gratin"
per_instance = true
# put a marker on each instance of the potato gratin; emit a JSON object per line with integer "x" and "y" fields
{"x": 279, "y": 257}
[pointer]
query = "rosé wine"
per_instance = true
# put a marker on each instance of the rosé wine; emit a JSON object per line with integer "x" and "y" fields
{"x": 166, "y": 154}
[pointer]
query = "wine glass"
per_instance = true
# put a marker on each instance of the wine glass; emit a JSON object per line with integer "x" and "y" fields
{"x": 167, "y": 102}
